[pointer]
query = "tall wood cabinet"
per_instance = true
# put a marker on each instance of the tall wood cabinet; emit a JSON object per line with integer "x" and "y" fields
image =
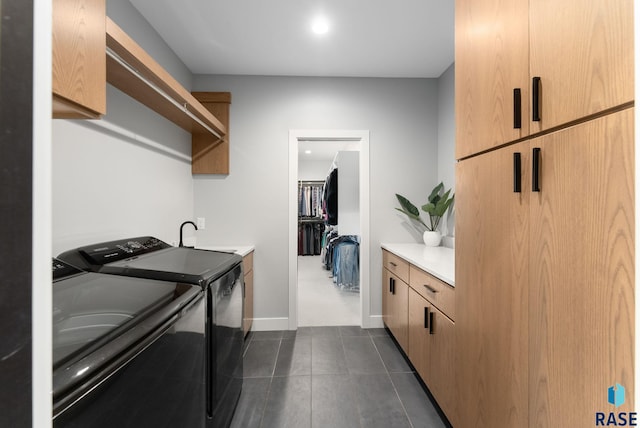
{"x": 492, "y": 262}
{"x": 581, "y": 276}
{"x": 544, "y": 275}
{"x": 502, "y": 46}
{"x": 492, "y": 59}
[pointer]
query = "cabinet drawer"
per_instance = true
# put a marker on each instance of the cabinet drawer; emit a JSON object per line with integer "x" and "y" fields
{"x": 435, "y": 291}
{"x": 396, "y": 265}
{"x": 247, "y": 263}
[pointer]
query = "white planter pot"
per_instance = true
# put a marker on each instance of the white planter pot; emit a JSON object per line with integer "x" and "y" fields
{"x": 432, "y": 238}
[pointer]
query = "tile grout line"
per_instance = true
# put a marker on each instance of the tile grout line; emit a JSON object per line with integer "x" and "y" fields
{"x": 393, "y": 384}
{"x": 351, "y": 380}
{"x": 266, "y": 399}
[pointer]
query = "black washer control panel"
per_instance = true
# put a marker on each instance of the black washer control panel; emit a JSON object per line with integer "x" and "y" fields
{"x": 107, "y": 252}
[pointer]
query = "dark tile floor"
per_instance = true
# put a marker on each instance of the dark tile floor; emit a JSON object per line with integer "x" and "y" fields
{"x": 331, "y": 377}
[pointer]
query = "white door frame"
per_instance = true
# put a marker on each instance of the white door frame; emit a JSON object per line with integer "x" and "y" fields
{"x": 357, "y": 136}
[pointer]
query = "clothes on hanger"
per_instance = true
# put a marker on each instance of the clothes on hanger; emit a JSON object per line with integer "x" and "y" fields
{"x": 341, "y": 256}
{"x": 310, "y": 238}
{"x": 310, "y": 199}
{"x": 330, "y": 197}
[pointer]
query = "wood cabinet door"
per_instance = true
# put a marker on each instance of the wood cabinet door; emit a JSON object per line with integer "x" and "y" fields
{"x": 386, "y": 298}
{"x": 491, "y": 299}
{"x": 400, "y": 298}
{"x": 247, "y": 320}
{"x": 442, "y": 360}
{"x": 395, "y": 307}
{"x": 582, "y": 272}
{"x": 79, "y": 80}
{"x": 583, "y": 54}
{"x": 419, "y": 345}
{"x": 491, "y": 60}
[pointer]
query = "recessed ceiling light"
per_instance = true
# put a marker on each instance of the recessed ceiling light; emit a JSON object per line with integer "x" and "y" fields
{"x": 308, "y": 152}
{"x": 320, "y": 26}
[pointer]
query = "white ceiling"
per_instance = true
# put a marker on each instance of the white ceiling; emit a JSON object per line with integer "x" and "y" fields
{"x": 366, "y": 38}
{"x": 324, "y": 150}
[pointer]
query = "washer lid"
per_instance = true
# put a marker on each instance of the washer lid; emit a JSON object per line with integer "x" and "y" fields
{"x": 189, "y": 265}
{"x": 90, "y": 309}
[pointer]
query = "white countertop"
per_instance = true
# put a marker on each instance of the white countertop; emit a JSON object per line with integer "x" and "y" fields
{"x": 242, "y": 250}
{"x": 438, "y": 261}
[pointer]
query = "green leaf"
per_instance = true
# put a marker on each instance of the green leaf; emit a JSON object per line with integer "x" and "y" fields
{"x": 435, "y": 193}
{"x": 408, "y": 208}
{"x": 429, "y": 208}
{"x": 443, "y": 204}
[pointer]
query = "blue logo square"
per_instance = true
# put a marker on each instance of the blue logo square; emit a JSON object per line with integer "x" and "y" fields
{"x": 616, "y": 395}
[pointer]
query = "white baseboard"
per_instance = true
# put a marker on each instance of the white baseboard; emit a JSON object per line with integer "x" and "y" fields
{"x": 375, "y": 321}
{"x": 276, "y": 324}
{"x": 270, "y": 324}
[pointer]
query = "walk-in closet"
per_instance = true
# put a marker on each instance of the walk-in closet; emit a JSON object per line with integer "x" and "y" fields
{"x": 328, "y": 234}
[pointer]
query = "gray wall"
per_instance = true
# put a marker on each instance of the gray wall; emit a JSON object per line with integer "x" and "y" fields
{"x": 447, "y": 139}
{"x": 107, "y": 185}
{"x": 249, "y": 206}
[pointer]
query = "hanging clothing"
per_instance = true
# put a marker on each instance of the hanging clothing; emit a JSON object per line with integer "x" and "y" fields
{"x": 310, "y": 238}
{"x": 346, "y": 265}
{"x": 331, "y": 197}
{"x": 310, "y": 200}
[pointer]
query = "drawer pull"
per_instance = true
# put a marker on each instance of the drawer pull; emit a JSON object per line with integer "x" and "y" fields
{"x": 430, "y": 288}
{"x": 393, "y": 264}
{"x": 432, "y": 329}
{"x": 426, "y": 317}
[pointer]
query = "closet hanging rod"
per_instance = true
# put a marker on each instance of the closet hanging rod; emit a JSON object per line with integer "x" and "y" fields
{"x": 113, "y": 55}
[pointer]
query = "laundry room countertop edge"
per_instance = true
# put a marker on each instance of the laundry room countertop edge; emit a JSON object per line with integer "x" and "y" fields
{"x": 438, "y": 261}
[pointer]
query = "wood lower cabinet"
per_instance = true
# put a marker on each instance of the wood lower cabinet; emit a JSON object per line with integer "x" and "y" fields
{"x": 419, "y": 314}
{"x": 395, "y": 299}
{"x": 247, "y": 319}
{"x": 432, "y": 350}
{"x": 79, "y": 60}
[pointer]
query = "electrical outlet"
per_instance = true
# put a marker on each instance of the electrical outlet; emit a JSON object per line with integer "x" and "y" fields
{"x": 200, "y": 222}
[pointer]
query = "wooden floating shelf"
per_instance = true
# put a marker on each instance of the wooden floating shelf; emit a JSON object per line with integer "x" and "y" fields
{"x": 134, "y": 72}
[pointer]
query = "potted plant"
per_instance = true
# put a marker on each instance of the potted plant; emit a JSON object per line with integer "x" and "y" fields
{"x": 438, "y": 203}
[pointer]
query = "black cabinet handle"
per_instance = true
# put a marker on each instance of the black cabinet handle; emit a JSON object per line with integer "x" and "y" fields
{"x": 432, "y": 329}
{"x": 517, "y": 172}
{"x": 393, "y": 285}
{"x": 430, "y": 288}
{"x": 390, "y": 285}
{"x": 517, "y": 109}
{"x": 426, "y": 317}
{"x": 535, "y": 91}
{"x": 535, "y": 177}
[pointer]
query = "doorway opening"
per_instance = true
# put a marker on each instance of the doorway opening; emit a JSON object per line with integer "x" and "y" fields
{"x": 332, "y": 147}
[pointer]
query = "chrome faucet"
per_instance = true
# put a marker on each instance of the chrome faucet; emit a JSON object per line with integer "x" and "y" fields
{"x": 181, "y": 226}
